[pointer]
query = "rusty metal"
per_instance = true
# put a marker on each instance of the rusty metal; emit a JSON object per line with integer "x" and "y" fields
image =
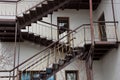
{"x": 105, "y": 21}
{"x": 91, "y": 22}
{"x": 91, "y": 51}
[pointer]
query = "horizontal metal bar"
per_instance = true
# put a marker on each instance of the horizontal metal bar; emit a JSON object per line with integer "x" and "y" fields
{"x": 10, "y": 1}
{"x": 4, "y": 70}
{"x": 7, "y": 76}
{"x": 105, "y": 21}
{"x": 52, "y": 24}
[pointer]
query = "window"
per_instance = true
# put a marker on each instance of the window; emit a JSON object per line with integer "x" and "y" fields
{"x": 71, "y": 75}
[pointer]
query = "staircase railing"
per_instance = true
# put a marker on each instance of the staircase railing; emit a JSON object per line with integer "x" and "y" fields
{"x": 28, "y": 7}
{"x": 42, "y": 29}
{"x": 105, "y": 31}
{"x": 45, "y": 49}
{"x": 80, "y": 34}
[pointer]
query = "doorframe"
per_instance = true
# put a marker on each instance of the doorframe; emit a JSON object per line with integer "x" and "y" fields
{"x": 100, "y": 37}
{"x": 72, "y": 71}
{"x": 67, "y": 18}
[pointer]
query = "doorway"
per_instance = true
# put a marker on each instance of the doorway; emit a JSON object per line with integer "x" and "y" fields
{"x": 102, "y": 28}
{"x": 63, "y": 27}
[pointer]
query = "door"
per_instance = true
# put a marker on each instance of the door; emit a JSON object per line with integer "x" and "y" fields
{"x": 102, "y": 28}
{"x": 63, "y": 27}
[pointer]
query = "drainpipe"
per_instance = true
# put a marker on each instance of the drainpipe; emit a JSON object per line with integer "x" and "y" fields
{"x": 113, "y": 10}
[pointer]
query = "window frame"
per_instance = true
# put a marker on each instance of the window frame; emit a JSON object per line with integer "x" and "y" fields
{"x": 71, "y": 71}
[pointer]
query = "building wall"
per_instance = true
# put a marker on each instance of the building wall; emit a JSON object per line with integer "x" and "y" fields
{"x": 105, "y": 69}
{"x": 110, "y": 62}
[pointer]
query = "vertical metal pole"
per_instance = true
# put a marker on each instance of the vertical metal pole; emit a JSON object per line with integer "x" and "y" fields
{"x": 15, "y": 45}
{"x": 9, "y": 75}
{"x": 91, "y": 22}
{"x": 90, "y": 72}
{"x": 51, "y": 27}
{"x": 84, "y": 36}
{"x": 113, "y": 10}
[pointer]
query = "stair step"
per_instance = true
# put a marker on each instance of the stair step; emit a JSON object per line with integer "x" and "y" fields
{"x": 31, "y": 37}
{"x": 68, "y": 57}
{"x": 7, "y": 29}
{"x": 48, "y": 42}
{"x": 39, "y": 10}
{"x": 61, "y": 62}
{"x": 7, "y": 34}
{"x": 33, "y": 14}
{"x": 49, "y": 71}
{"x": 10, "y": 39}
{"x": 37, "y": 39}
{"x": 45, "y": 7}
{"x": 7, "y": 22}
{"x": 43, "y": 41}
{"x": 43, "y": 74}
{"x": 55, "y": 66}
{"x": 21, "y": 20}
{"x": 27, "y": 17}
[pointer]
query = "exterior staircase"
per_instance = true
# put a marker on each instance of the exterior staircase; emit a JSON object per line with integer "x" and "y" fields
{"x": 7, "y": 31}
{"x": 7, "y": 34}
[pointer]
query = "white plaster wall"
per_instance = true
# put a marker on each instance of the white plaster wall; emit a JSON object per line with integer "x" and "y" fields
{"x": 110, "y": 63}
{"x": 106, "y": 7}
{"x": 80, "y": 66}
{"x": 77, "y": 18}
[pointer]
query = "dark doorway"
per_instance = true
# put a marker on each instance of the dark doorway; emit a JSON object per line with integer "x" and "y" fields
{"x": 63, "y": 23}
{"x": 102, "y": 28}
{"x": 63, "y": 26}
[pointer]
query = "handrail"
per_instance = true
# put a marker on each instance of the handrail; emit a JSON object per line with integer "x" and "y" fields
{"x": 11, "y": 1}
{"x": 42, "y": 58}
{"x": 105, "y": 21}
{"x": 33, "y": 7}
{"x": 52, "y": 24}
{"x": 47, "y": 47}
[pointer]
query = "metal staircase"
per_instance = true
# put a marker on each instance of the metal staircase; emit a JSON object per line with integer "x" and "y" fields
{"x": 7, "y": 31}
{"x": 71, "y": 53}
